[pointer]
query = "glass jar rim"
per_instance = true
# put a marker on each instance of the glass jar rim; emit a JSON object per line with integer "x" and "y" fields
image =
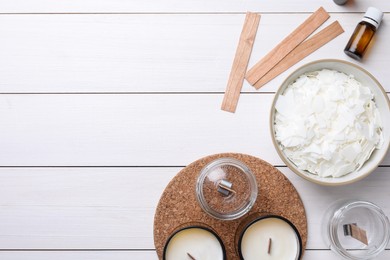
{"x": 336, "y": 220}
{"x": 236, "y": 213}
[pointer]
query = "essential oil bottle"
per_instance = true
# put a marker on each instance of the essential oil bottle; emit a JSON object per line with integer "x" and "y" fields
{"x": 363, "y": 33}
{"x": 340, "y": 2}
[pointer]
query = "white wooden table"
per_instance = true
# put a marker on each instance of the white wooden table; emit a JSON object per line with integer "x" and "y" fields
{"x": 103, "y": 101}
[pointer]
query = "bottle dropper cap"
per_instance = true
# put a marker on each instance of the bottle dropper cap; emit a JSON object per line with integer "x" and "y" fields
{"x": 373, "y": 16}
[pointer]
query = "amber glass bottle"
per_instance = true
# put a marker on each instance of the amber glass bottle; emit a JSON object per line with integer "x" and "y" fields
{"x": 364, "y": 31}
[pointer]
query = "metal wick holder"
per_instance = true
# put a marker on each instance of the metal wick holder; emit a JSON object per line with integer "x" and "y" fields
{"x": 225, "y": 188}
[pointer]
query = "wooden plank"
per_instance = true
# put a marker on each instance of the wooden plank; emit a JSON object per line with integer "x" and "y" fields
{"x": 240, "y": 63}
{"x": 136, "y": 255}
{"x": 113, "y": 208}
{"x": 289, "y": 43}
{"x": 304, "y": 49}
{"x": 116, "y": 53}
{"x": 130, "y": 130}
{"x": 102, "y": 207}
{"x": 77, "y": 255}
{"x": 327, "y": 254}
{"x": 80, "y": 208}
{"x": 139, "y": 6}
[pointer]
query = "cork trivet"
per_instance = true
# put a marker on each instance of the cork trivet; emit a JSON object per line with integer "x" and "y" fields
{"x": 178, "y": 205}
{"x": 287, "y": 45}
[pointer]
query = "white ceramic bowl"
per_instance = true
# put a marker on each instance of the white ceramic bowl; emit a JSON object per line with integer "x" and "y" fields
{"x": 381, "y": 100}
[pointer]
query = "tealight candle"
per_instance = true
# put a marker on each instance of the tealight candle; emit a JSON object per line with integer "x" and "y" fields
{"x": 268, "y": 238}
{"x": 197, "y": 243}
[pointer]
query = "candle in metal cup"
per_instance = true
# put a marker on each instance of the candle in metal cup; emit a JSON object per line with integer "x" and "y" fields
{"x": 270, "y": 237}
{"x": 194, "y": 243}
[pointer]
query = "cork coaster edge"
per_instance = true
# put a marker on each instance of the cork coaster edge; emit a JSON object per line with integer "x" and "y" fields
{"x": 179, "y": 207}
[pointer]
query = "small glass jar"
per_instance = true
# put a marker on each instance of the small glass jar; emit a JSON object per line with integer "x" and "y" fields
{"x": 226, "y": 189}
{"x": 367, "y": 218}
{"x": 340, "y": 2}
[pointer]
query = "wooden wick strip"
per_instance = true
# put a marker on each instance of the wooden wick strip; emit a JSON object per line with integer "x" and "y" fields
{"x": 359, "y": 234}
{"x": 240, "y": 63}
{"x": 304, "y": 49}
{"x": 226, "y": 188}
{"x": 190, "y": 256}
{"x": 287, "y": 45}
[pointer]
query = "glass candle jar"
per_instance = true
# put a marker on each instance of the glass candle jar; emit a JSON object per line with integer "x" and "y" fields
{"x": 356, "y": 229}
{"x": 194, "y": 242}
{"x": 226, "y": 189}
{"x": 269, "y": 237}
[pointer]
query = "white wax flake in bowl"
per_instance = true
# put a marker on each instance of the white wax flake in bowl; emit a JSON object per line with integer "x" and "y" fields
{"x": 327, "y": 123}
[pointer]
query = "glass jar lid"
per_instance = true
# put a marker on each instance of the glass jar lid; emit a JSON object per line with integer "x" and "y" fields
{"x": 226, "y": 189}
{"x": 359, "y": 230}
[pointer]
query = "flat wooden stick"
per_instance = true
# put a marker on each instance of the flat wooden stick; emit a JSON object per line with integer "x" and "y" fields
{"x": 359, "y": 234}
{"x": 240, "y": 63}
{"x": 287, "y": 45}
{"x": 304, "y": 49}
{"x": 226, "y": 188}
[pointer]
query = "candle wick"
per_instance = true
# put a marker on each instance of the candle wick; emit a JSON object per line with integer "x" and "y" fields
{"x": 226, "y": 188}
{"x": 269, "y": 245}
{"x": 190, "y": 256}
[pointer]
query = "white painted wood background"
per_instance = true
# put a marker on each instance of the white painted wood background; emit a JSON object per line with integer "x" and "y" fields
{"x": 102, "y": 102}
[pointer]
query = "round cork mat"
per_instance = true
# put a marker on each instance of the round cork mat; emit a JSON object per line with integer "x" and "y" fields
{"x": 178, "y": 206}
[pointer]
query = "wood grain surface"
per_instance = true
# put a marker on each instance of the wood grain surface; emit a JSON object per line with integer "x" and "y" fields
{"x": 102, "y": 53}
{"x": 103, "y": 102}
{"x": 192, "y": 6}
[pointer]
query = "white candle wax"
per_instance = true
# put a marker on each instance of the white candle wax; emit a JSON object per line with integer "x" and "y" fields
{"x": 284, "y": 240}
{"x": 199, "y": 243}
